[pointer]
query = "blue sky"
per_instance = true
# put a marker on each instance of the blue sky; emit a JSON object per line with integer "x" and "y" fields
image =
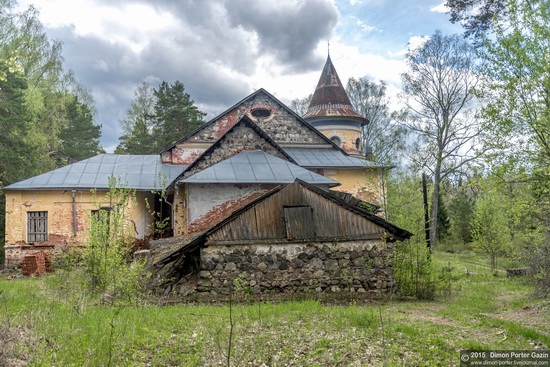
{"x": 223, "y": 50}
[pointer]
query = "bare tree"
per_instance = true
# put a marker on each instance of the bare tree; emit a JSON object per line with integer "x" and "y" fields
{"x": 438, "y": 92}
{"x": 382, "y": 134}
{"x": 300, "y": 105}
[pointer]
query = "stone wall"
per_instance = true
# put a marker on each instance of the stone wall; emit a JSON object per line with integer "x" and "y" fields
{"x": 354, "y": 267}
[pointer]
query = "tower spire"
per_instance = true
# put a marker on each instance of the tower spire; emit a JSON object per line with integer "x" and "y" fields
{"x": 331, "y": 111}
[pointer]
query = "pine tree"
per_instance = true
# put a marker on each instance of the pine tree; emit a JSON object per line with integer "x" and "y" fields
{"x": 175, "y": 113}
{"x": 138, "y": 124}
{"x": 461, "y": 208}
{"x": 80, "y": 136}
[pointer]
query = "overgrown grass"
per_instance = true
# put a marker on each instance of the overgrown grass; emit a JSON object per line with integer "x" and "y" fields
{"x": 478, "y": 312}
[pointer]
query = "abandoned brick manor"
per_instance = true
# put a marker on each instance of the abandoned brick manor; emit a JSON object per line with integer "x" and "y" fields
{"x": 285, "y": 202}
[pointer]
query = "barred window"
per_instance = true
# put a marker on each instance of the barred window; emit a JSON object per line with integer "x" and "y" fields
{"x": 37, "y": 226}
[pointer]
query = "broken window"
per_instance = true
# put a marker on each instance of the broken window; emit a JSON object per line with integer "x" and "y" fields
{"x": 37, "y": 226}
{"x": 299, "y": 222}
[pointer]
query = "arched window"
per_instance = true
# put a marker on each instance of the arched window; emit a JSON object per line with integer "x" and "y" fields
{"x": 357, "y": 143}
{"x": 336, "y": 140}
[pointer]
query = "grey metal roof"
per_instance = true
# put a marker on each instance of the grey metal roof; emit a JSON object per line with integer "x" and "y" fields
{"x": 140, "y": 172}
{"x": 328, "y": 158}
{"x": 255, "y": 166}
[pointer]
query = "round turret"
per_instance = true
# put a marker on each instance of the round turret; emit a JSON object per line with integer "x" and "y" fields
{"x": 331, "y": 112}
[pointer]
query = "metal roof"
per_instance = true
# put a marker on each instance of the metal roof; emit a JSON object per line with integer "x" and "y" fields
{"x": 328, "y": 158}
{"x": 330, "y": 98}
{"x": 140, "y": 172}
{"x": 255, "y": 166}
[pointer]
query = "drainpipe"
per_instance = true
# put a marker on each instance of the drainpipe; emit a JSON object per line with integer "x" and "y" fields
{"x": 74, "y": 211}
{"x": 171, "y": 212}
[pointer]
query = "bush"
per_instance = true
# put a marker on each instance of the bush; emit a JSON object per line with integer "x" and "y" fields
{"x": 109, "y": 269}
{"x": 537, "y": 258}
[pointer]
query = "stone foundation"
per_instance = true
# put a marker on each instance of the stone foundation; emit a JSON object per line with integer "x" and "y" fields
{"x": 353, "y": 267}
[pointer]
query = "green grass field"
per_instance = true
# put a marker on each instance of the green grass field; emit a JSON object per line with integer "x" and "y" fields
{"x": 45, "y": 324}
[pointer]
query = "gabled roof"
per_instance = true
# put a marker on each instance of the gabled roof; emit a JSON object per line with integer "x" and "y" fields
{"x": 255, "y": 166}
{"x": 244, "y": 121}
{"x": 392, "y": 231}
{"x": 248, "y": 98}
{"x": 140, "y": 172}
{"x": 329, "y": 158}
{"x": 330, "y": 98}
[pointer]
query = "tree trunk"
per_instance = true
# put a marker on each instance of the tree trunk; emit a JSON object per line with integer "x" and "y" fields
{"x": 435, "y": 205}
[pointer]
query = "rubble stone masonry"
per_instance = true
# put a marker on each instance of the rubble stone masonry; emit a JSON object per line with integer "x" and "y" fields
{"x": 352, "y": 266}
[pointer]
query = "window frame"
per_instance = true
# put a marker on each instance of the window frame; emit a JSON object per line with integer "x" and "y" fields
{"x": 37, "y": 226}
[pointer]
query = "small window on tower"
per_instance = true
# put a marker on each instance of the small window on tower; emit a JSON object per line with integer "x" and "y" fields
{"x": 357, "y": 144}
{"x": 336, "y": 140}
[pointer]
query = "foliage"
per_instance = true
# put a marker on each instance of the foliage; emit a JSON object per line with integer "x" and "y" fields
{"x": 461, "y": 208}
{"x": 40, "y": 130}
{"x": 414, "y": 271}
{"x": 490, "y": 226}
{"x": 300, "y": 105}
{"x": 443, "y": 220}
{"x": 160, "y": 225}
{"x": 175, "y": 113}
{"x": 108, "y": 269}
{"x": 438, "y": 92}
{"x": 518, "y": 78}
{"x": 157, "y": 118}
{"x": 537, "y": 257}
{"x": 139, "y": 123}
{"x": 477, "y": 16}
{"x": 80, "y": 136}
{"x": 297, "y": 333}
{"x": 382, "y": 134}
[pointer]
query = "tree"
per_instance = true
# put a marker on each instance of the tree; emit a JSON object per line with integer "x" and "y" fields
{"x": 490, "y": 226}
{"x": 443, "y": 221}
{"x": 138, "y": 124}
{"x": 382, "y": 133}
{"x": 80, "y": 136}
{"x": 175, "y": 113}
{"x": 461, "y": 208}
{"x": 300, "y": 105}
{"x": 438, "y": 93}
{"x": 517, "y": 69}
{"x": 477, "y": 16}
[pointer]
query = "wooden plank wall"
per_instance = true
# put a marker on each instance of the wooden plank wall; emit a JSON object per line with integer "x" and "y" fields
{"x": 266, "y": 219}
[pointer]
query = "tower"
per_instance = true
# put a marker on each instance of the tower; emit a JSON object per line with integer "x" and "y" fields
{"x": 331, "y": 112}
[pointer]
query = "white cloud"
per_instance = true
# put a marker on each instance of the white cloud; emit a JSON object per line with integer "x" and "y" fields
{"x": 416, "y": 42}
{"x": 354, "y": 2}
{"x": 441, "y": 8}
{"x": 364, "y": 26}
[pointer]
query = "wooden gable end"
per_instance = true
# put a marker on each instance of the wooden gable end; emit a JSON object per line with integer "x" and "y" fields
{"x": 296, "y": 213}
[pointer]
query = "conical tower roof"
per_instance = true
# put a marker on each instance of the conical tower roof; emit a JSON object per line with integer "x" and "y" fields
{"x": 330, "y": 98}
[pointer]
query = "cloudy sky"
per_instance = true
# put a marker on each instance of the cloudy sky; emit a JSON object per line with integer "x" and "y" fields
{"x": 223, "y": 50}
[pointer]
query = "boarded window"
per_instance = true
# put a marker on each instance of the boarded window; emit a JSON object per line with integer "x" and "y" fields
{"x": 299, "y": 222}
{"x": 37, "y": 226}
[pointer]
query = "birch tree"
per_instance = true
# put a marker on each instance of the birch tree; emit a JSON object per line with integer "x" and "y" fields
{"x": 438, "y": 94}
{"x": 382, "y": 133}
